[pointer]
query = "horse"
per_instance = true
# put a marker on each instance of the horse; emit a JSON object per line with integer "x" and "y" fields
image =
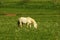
{"x": 27, "y": 20}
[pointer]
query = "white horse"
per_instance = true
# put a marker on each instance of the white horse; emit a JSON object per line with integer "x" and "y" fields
{"x": 27, "y": 20}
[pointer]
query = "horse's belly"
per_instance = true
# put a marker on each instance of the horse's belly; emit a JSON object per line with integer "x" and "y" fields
{"x": 24, "y": 21}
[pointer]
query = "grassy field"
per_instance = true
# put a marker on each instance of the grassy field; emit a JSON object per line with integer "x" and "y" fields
{"x": 47, "y": 16}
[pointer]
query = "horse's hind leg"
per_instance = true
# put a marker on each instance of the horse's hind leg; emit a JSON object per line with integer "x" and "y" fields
{"x": 20, "y": 24}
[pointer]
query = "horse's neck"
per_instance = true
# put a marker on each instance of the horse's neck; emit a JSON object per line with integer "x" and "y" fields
{"x": 34, "y": 22}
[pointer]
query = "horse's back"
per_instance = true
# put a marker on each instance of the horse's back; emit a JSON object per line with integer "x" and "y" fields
{"x": 23, "y": 19}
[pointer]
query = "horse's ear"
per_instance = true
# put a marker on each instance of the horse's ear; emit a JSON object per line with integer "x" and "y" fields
{"x": 18, "y": 23}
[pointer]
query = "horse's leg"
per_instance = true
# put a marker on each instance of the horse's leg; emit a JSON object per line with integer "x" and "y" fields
{"x": 30, "y": 25}
{"x": 27, "y": 25}
{"x": 20, "y": 24}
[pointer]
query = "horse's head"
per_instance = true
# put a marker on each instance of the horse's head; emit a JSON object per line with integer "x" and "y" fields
{"x": 35, "y": 25}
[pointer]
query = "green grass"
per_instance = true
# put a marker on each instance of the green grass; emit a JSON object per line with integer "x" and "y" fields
{"x": 48, "y": 20}
{"x": 29, "y": 11}
{"x": 31, "y": 5}
{"x": 48, "y": 28}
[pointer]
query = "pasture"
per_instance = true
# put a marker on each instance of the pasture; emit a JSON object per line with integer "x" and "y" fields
{"x": 48, "y": 20}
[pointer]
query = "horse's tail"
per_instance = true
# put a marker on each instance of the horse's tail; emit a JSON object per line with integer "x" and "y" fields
{"x": 18, "y": 23}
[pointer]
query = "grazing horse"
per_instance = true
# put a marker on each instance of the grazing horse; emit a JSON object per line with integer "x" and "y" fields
{"x": 27, "y": 20}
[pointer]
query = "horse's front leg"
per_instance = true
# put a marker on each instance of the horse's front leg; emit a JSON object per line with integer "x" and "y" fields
{"x": 30, "y": 25}
{"x": 27, "y": 25}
